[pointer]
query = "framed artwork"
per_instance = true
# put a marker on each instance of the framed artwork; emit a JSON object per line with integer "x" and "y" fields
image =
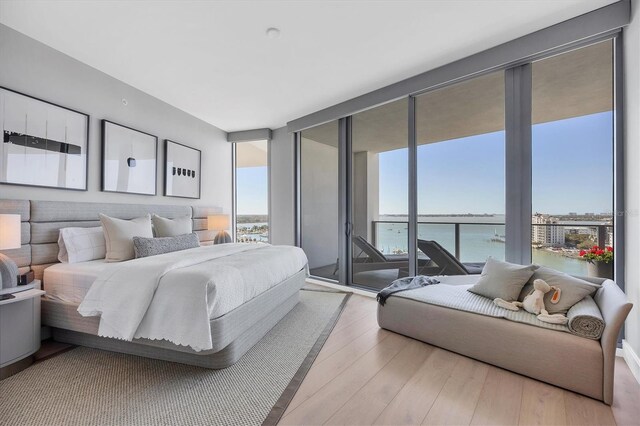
{"x": 43, "y": 144}
{"x": 129, "y": 160}
{"x": 182, "y": 170}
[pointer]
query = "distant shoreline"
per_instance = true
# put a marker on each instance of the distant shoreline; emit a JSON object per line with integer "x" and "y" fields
{"x": 252, "y": 218}
{"x": 447, "y": 215}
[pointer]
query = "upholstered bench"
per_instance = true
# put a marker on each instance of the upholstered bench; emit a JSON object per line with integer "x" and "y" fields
{"x": 575, "y": 363}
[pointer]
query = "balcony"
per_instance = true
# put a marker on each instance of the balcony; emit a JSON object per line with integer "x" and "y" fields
{"x": 476, "y": 241}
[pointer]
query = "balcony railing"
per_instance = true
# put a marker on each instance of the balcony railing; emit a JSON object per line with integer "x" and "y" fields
{"x": 479, "y": 244}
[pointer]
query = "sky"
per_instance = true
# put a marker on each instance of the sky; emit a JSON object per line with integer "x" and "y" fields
{"x": 252, "y": 190}
{"x": 572, "y": 171}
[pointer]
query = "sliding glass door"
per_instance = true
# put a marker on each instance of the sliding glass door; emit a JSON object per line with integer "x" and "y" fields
{"x": 460, "y": 138}
{"x": 319, "y": 201}
{"x": 379, "y": 179}
{"x": 420, "y": 184}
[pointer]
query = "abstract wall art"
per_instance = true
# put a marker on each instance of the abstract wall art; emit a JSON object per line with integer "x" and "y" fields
{"x": 182, "y": 170}
{"x": 43, "y": 144}
{"x": 129, "y": 160}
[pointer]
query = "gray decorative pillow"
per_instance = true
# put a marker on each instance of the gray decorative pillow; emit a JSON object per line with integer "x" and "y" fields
{"x": 145, "y": 247}
{"x": 572, "y": 289}
{"x": 502, "y": 279}
{"x": 165, "y": 227}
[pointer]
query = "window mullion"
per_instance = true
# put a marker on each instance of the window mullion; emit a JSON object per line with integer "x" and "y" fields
{"x": 518, "y": 164}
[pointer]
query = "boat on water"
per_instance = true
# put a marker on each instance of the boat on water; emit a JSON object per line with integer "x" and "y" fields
{"x": 497, "y": 238}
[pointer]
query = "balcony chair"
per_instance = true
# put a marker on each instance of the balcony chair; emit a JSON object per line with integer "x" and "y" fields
{"x": 375, "y": 260}
{"x": 447, "y": 264}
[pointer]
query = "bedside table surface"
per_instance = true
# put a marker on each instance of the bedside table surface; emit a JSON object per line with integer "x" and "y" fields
{"x": 22, "y": 295}
{"x": 21, "y": 288}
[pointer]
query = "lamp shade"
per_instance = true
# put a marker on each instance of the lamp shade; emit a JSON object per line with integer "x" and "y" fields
{"x": 218, "y": 222}
{"x": 9, "y": 231}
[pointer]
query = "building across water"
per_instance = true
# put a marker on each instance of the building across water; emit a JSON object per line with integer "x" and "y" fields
{"x": 545, "y": 235}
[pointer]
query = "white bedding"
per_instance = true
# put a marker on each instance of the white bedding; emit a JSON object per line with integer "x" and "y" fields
{"x": 173, "y": 296}
{"x": 70, "y": 282}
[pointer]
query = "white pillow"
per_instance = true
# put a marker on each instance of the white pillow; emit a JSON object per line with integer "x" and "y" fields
{"x": 171, "y": 227}
{"x": 119, "y": 233}
{"x": 81, "y": 244}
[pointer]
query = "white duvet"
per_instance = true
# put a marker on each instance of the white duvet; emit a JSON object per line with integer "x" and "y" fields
{"x": 173, "y": 296}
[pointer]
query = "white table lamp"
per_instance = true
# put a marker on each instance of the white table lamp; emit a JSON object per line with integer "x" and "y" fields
{"x": 220, "y": 223}
{"x": 9, "y": 239}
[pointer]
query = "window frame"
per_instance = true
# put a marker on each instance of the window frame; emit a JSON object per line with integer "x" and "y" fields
{"x": 518, "y": 157}
{"x": 234, "y": 188}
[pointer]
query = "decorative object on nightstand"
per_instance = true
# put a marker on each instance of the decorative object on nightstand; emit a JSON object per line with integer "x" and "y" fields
{"x": 19, "y": 328}
{"x": 220, "y": 223}
{"x": 9, "y": 239}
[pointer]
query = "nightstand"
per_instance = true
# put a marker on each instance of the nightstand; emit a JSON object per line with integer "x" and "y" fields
{"x": 19, "y": 328}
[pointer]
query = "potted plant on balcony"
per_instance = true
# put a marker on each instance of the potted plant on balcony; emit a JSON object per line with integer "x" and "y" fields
{"x": 600, "y": 261}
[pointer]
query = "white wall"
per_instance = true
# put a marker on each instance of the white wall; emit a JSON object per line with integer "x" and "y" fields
{"x": 319, "y": 203}
{"x": 632, "y": 171}
{"x": 282, "y": 187}
{"x": 34, "y": 69}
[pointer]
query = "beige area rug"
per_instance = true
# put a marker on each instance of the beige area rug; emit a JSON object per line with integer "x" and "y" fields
{"x": 87, "y": 386}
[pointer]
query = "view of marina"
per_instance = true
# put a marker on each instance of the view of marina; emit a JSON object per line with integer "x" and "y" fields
{"x": 481, "y": 236}
{"x": 460, "y": 173}
{"x": 557, "y": 240}
{"x": 252, "y": 228}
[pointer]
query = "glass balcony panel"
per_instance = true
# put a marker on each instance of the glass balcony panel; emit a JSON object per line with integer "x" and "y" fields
{"x": 481, "y": 241}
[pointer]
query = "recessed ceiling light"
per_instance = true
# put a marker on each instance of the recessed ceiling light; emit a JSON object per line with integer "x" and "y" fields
{"x": 273, "y": 32}
{"x": 125, "y": 102}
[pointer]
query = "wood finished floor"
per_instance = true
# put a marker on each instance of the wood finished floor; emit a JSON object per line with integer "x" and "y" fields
{"x": 366, "y": 375}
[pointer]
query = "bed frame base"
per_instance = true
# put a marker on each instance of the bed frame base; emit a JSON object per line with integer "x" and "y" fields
{"x": 233, "y": 334}
{"x": 222, "y": 359}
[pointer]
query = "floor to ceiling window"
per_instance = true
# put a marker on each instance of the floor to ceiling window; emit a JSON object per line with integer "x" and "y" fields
{"x": 464, "y": 135}
{"x": 252, "y": 191}
{"x": 460, "y": 138}
{"x": 572, "y": 156}
{"x": 319, "y": 199}
{"x": 379, "y": 195}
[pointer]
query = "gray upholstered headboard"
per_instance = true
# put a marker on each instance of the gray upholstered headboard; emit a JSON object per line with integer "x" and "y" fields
{"x": 42, "y": 220}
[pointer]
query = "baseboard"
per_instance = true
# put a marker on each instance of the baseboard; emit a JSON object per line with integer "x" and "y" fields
{"x": 342, "y": 288}
{"x": 632, "y": 360}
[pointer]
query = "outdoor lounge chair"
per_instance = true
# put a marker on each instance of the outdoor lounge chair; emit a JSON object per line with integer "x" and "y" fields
{"x": 447, "y": 264}
{"x": 369, "y": 258}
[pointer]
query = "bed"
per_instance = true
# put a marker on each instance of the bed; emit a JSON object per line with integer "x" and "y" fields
{"x": 234, "y": 323}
